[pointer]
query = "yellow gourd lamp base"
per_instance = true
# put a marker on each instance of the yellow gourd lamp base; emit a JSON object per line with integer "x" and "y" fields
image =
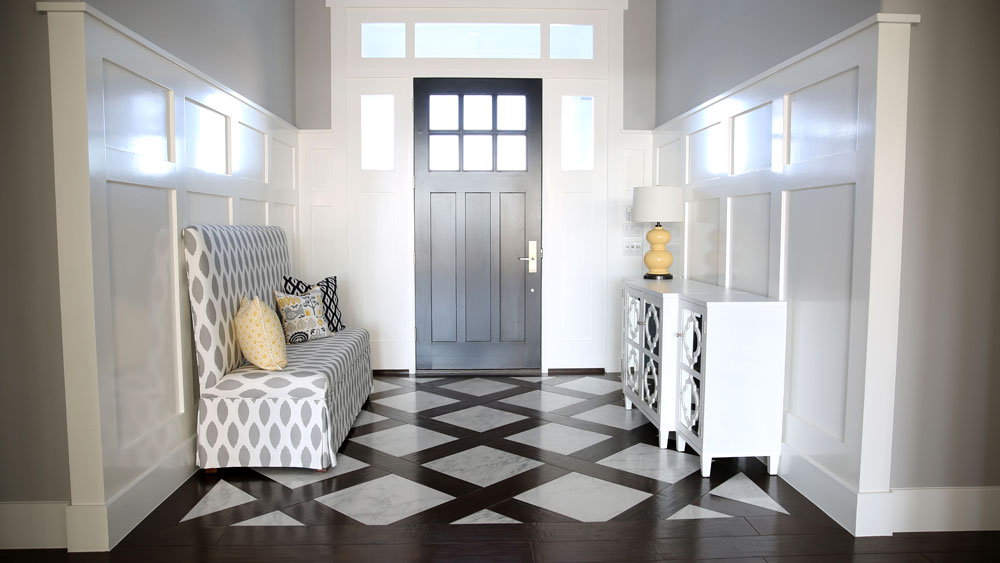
{"x": 658, "y": 260}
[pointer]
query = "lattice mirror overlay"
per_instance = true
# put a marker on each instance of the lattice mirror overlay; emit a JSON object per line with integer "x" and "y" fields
{"x": 690, "y": 403}
{"x": 632, "y": 369}
{"x": 693, "y": 323}
{"x": 652, "y": 329}
{"x": 633, "y": 319}
{"x": 650, "y": 384}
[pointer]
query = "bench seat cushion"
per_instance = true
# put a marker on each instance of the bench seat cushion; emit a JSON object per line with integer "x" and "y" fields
{"x": 314, "y": 368}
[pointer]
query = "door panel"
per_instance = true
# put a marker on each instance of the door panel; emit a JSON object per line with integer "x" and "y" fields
{"x": 476, "y": 213}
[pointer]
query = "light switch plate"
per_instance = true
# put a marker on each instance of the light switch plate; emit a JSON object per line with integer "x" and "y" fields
{"x": 633, "y": 229}
{"x": 628, "y": 213}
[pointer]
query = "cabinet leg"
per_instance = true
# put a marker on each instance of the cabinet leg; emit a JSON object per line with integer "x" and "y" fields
{"x": 628, "y": 403}
{"x": 706, "y": 466}
{"x": 772, "y": 464}
{"x": 680, "y": 442}
{"x": 664, "y": 436}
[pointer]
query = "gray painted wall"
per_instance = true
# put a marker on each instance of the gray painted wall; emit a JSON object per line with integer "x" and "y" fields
{"x": 247, "y": 45}
{"x": 34, "y": 465}
{"x": 705, "y": 47}
{"x": 312, "y": 64}
{"x": 947, "y": 420}
{"x": 640, "y": 65}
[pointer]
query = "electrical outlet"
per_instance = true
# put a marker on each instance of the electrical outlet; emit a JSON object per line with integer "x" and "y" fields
{"x": 633, "y": 248}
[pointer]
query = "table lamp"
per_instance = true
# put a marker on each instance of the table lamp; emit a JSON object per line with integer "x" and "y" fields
{"x": 658, "y": 204}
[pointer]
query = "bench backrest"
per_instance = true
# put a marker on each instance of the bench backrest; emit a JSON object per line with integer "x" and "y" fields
{"x": 224, "y": 264}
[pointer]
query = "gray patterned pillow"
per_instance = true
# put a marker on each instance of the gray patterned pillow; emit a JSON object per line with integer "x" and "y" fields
{"x": 302, "y": 316}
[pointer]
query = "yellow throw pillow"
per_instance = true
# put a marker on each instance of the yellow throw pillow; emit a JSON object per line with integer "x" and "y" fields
{"x": 259, "y": 333}
{"x": 302, "y": 315}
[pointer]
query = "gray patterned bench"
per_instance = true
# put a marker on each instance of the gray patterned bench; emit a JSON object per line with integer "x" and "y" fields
{"x": 248, "y": 417}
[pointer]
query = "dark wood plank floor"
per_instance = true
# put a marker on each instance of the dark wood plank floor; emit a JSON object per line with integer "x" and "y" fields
{"x": 642, "y": 532}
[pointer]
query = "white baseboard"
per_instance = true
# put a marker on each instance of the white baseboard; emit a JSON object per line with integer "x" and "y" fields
{"x": 32, "y": 525}
{"x": 135, "y": 502}
{"x": 946, "y": 509}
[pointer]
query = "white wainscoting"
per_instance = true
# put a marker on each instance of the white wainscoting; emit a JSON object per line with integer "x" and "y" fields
{"x": 785, "y": 198}
{"x": 145, "y": 145}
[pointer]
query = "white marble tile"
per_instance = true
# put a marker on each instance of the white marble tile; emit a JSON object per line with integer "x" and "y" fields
{"x": 584, "y": 498}
{"x": 367, "y": 417}
{"x": 595, "y": 385}
{"x": 478, "y": 386}
{"x": 614, "y": 415}
{"x": 558, "y": 438}
{"x": 424, "y": 379}
{"x": 649, "y": 461}
{"x": 295, "y": 478}
{"x": 220, "y": 497}
{"x": 415, "y": 402}
{"x": 546, "y": 401}
{"x": 692, "y": 512}
{"x": 482, "y": 465}
{"x": 384, "y": 500}
{"x": 383, "y": 386}
{"x": 403, "y": 440}
{"x": 276, "y": 518}
{"x": 740, "y": 488}
{"x": 480, "y": 418}
{"x": 486, "y": 517}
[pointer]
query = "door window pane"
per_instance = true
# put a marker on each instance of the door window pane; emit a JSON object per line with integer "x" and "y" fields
{"x": 577, "y": 133}
{"x": 377, "y": 132}
{"x": 477, "y": 113}
{"x": 443, "y": 152}
{"x": 477, "y": 40}
{"x": 383, "y": 40}
{"x": 511, "y": 152}
{"x": 477, "y": 152}
{"x": 571, "y": 41}
{"x": 444, "y": 112}
{"x": 510, "y": 113}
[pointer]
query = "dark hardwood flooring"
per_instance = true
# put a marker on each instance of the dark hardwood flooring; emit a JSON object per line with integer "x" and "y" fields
{"x": 744, "y": 532}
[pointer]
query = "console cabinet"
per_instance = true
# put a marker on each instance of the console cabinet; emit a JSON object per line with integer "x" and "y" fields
{"x": 708, "y": 364}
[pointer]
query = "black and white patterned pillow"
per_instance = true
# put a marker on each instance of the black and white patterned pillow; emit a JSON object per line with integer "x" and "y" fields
{"x": 331, "y": 305}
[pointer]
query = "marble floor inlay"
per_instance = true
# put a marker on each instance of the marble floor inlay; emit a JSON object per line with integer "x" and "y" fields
{"x": 381, "y": 386}
{"x": 486, "y": 517}
{"x": 740, "y": 488}
{"x": 220, "y": 497}
{"x": 650, "y": 461}
{"x": 584, "y": 498}
{"x": 478, "y": 386}
{"x": 403, "y": 440}
{"x": 483, "y": 465}
{"x": 595, "y": 385}
{"x": 545, "y": 401}
{"x": 276, "y": 518}
{"x": 614, "y": 415}
{"x": 480, "y": 418}
{"x": 692, "y": 512}
{"x": 367, "y": 417}
{"x": 295, "y": 478}
{"x": 415, "y": 402}
{"x": 558, "y": 438}
{"x": 384, "y": 500}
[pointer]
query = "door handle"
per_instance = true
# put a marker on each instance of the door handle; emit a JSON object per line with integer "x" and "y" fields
{"x": 532, "y": 257}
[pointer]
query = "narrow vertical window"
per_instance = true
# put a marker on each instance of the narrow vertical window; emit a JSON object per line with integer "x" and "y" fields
{"x": 378, "y": 132}
{"x": 577, "y": 133}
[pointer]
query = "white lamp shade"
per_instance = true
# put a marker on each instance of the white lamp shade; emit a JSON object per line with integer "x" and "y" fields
{"x": 657, "y": 204}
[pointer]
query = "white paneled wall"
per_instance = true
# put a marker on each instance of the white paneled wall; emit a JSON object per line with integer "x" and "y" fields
{"x": 144, "y": 147}
{"x": 784, "y": 199}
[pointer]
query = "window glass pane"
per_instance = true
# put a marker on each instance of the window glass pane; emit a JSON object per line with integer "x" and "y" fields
{"x": 477, "y": 152}
{"x": 477, "y": 40}
{"x": 477, "y": 112}
{"x": 377, "y": 132}
{"x": 383, "y": 40}
{"x": 443, "y": 152}
{"x": 511, "y": 152}
{"x": 571, "y": 41}
{"x": 510, "y": 113}
{"x": 444, "y": 112}
{"x": 577, "y": 133}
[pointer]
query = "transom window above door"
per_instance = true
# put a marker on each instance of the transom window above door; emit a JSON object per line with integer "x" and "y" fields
{"x": 477, "y": 133}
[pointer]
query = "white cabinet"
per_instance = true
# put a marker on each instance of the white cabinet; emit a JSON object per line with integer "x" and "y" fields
{"x": 707, "y": 363}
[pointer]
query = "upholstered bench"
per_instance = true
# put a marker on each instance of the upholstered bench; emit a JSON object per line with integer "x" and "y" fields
{"x": 249, "y": 417}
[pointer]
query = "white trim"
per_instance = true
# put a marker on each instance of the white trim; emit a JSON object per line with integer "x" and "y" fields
{"x": 32, "y": 525}
{"x": 861, "y": 26}
{"x": 451, "y": 4}
{"x": 946, "y": 509}
{"x": 62, "y": 7}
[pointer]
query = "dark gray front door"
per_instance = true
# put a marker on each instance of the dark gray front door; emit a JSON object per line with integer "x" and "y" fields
{"x": 478, "y": 204}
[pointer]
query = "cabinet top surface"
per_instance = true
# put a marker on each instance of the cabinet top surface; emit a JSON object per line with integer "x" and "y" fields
{"x": 697, "y": 291}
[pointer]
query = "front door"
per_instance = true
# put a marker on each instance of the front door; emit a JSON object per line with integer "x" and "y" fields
{"x": 478, "y": 218}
